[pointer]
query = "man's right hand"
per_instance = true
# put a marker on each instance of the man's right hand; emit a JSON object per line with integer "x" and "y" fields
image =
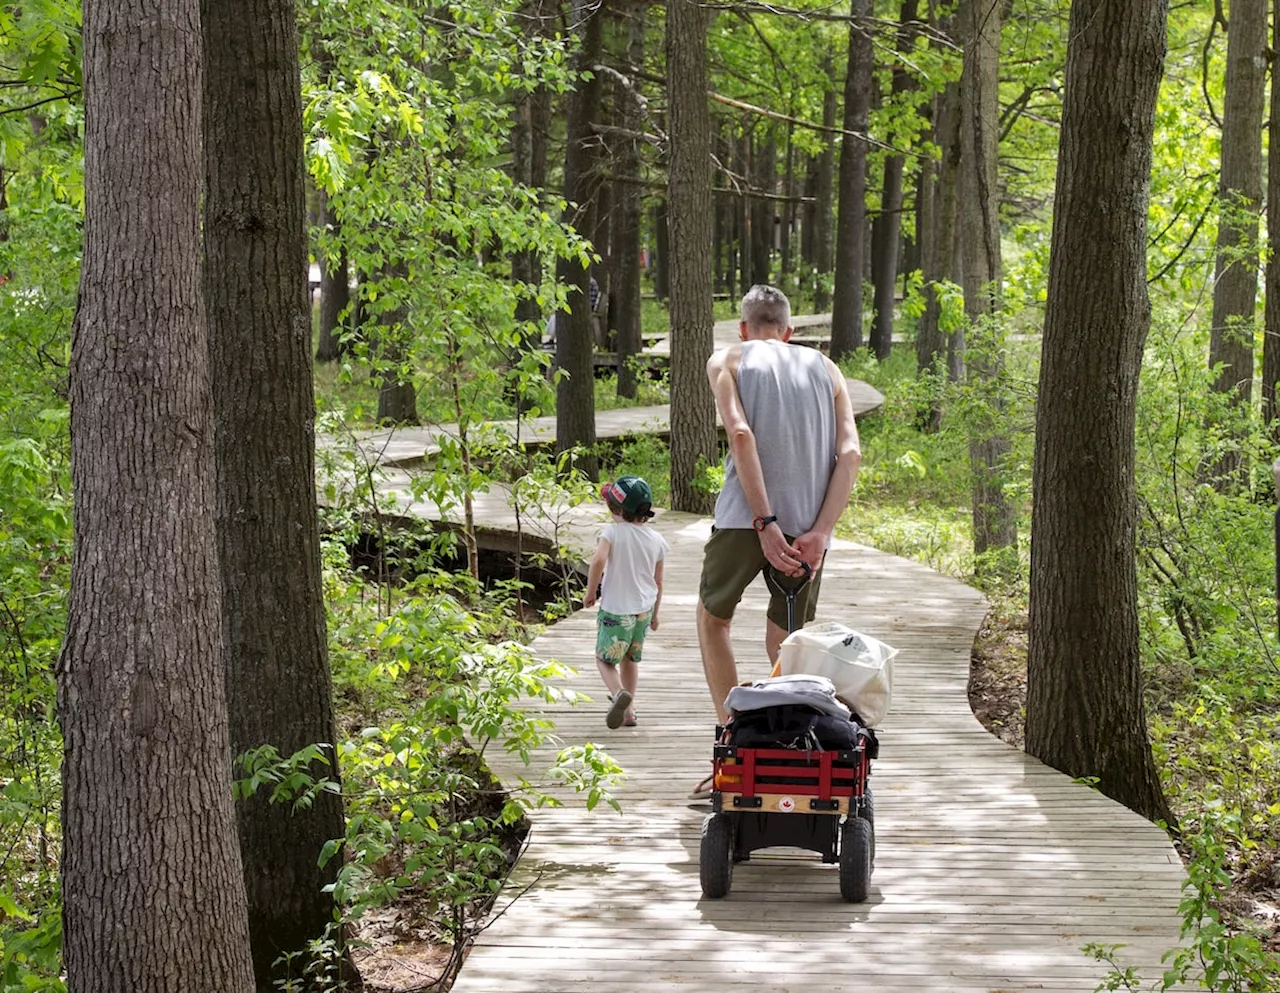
{"x": 778, "y": 552}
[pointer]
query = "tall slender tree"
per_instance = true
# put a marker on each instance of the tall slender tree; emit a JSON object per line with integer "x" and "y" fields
{"x": 1235, "y": 287}
{"x": 627, "y": 291}
{"x": 846, "y": 312}
{"x": 1085, "y": 712}
{"x": 886, "y": 231}
{"x": 575, "y": 392}
{"x": 994, "y": 525}
{"x": 693, "y": 417}
{"x": 153, "y": 895}
{"x": 825, "y": 192}
{"x": 335, "y": 287}
{"x": 1271, "y": 339}
{"x": 274, "y": 641}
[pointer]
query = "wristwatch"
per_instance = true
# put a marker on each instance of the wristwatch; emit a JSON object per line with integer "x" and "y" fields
{"x": 760, "y": 523}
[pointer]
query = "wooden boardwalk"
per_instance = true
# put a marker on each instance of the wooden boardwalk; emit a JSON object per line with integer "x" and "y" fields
{"x": 992, "y": 870}
{"x": 410, "y": 446}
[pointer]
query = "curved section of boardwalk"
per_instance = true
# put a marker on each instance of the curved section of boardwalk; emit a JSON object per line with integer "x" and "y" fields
{"x": 992, "y": 870}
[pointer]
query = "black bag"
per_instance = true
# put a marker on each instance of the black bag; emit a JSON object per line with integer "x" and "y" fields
{"x": 792, "y": 726}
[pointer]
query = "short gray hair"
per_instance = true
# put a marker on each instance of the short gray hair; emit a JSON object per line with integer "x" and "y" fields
{"x": 766, "y": 307}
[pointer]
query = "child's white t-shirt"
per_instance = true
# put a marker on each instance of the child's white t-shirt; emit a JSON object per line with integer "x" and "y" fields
{"x": 634, "y": 552}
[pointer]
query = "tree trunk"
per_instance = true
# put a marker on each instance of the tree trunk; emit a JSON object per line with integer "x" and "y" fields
{"x": 274, "y": 643}
{"x": 786, "y": 264}
{"x": 940, "y": 205}
{"x": 152, "y": 889}
{"x": 846, "y": 313}
{"x": 627, "y": 291}
{"x": 661, "y": 246}
{"x": 335, "y": 288}
{"x": 993, "y": 515}
{"x": 1085, "y": 712}
{"x": 1271, "y": 339}
{"x": 762, "y": 213}
{"x": 746, "y": 267}
{"x": 575, "y": 392}
{"x": 693, "y": 416}
{"x": 1235, "y": 286}
{"x": 826, "y": 194}
{"x": 887, "y": 229}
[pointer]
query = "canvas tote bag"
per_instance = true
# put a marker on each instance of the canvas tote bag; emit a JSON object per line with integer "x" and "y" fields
{"x": 859, "y": 666}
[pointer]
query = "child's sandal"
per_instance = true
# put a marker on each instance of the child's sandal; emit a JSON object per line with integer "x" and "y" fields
{"x": 613, "y": 719}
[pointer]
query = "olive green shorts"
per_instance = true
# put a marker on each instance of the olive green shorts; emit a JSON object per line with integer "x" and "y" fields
{"x": 731, "y": 560}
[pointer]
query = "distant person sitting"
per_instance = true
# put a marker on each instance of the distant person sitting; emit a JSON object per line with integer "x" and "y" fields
{"x": 793, "y": 458}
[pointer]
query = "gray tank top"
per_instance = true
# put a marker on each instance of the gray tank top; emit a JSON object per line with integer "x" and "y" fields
{"x": 789, "y": 401}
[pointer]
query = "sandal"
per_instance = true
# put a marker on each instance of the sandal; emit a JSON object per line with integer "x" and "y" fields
{"x": 704, "y": 789}
{"x": 621, "y": 702}
{"x": 630, "y": 720}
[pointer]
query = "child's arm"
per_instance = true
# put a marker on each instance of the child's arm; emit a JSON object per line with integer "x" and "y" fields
{"x": 596, "y": 571}
{"x": 657, "y": 578}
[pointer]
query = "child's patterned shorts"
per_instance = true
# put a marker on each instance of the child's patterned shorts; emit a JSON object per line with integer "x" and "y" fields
{"x": 621, "y": 636}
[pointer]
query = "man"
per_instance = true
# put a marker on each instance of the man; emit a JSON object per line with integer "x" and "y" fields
{"x": 793, "y": 457}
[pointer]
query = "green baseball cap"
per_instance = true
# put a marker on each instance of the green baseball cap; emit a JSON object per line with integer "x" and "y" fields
{"x": 631, "y": 493}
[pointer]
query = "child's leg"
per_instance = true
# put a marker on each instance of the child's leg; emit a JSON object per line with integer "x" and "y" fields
{"x": 609, "y": 673}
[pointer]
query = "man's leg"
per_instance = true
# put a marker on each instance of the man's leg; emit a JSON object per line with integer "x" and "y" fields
{"x": 806, "y": 606}
{"x": 717, "y": 658}
{"x": 773, "y": 639}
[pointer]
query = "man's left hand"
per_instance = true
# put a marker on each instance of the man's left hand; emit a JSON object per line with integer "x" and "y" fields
{"x": 812, "y": 548}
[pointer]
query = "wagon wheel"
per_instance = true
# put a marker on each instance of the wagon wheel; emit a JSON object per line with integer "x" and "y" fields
{"x": 855, "y": 859}
{"x": 715, "y": 860}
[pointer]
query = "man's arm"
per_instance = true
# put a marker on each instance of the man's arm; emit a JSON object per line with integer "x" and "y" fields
{"x": 812, "y": 545}
{"x": 722, "y": 370}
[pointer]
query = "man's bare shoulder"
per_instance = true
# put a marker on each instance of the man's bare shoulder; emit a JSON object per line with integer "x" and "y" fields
{"x": 726, "y": 358}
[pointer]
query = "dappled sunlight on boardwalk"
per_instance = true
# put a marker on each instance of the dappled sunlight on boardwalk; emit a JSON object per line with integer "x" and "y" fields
{"x": 992, "y": 871}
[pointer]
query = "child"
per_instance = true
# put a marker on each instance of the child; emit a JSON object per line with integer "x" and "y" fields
{"x": 629, "y": 556}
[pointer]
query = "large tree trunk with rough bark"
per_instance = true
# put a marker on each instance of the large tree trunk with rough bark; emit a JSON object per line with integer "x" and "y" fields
{"x": 575, "y": 350}
{"x": 1235, "y": 287}
{"x": 152, "y": 890}
{"x": 994, "y": 524}
{"x": 274, "y": 643}
{"x": 887, "y": 230}
{"x": 1085, "y": 712}
{"x": 1271, "y": 339}
{"x": 627, "y": 290}
{"x": 846, "y": 312}
{"x": 693, "y": 416}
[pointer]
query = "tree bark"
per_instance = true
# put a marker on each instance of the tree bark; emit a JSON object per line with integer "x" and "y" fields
{"x": 1235, "y": 278}
{"x": 152, "y": 890}
{"x": 1235, "y": 286}
{"x": 762, "y": 212}
{"x": 693, "y": 417}
{"x": 661, "y": 246}
{"x": 786, "y": 262}
{"x": 575, "y": 392}
{"x": 335, "y": 289}
{"x": 846, "y": 312}
{"x": 886, "y": 231}
{"x": 823, "y": 210}
{"x": 1271, "y": 337}
{"x": 274, "y": 641}
{"x": 993, "y": 514}
{"x": 627, "y": 292}
{"x": 1085, "y": 712}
